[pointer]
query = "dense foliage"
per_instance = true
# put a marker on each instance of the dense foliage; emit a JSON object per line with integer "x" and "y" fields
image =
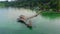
{"x": 41, "y": 4}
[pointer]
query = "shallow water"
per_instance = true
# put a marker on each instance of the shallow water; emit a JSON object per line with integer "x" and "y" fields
{"x": 41, "y": 24}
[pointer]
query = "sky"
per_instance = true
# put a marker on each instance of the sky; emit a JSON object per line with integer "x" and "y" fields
{"x": 5, "y": 0}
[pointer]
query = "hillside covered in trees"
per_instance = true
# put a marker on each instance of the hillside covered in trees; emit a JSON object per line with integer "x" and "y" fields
{"x": 32, "y": 4}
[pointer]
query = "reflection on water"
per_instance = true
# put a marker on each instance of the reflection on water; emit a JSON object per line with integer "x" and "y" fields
{"x": 51, "y": 15}
{"x": 41, "y": 25}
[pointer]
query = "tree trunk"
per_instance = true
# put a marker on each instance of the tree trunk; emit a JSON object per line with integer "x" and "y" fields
{"x": 58, "y": 5}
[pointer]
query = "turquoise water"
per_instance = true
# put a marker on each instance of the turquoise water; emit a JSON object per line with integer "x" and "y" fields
{"x": 41, "y": 24}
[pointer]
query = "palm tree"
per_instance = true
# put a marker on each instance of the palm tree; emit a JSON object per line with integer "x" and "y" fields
{"x": 58, "y": 5}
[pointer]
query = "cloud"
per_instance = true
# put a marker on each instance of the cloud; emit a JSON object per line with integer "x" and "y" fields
{"x": 2, "y": 0}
